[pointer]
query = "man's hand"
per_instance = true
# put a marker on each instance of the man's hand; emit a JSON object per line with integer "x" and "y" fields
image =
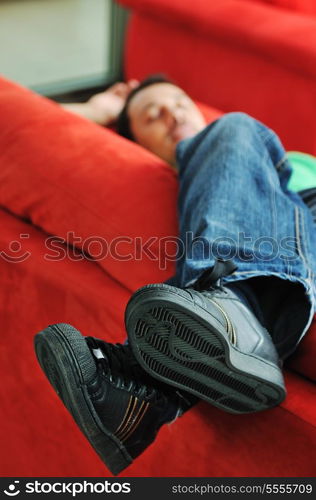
{"x": 104, "y": 108}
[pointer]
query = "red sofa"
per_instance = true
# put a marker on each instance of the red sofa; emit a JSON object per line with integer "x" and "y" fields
{"x": 61, "y": 175}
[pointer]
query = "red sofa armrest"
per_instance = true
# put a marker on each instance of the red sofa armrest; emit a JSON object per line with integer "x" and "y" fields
{"x": 234, "y": 55}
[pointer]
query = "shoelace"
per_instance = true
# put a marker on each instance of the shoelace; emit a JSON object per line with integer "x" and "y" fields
{"x": 121, "y": 367}
{"x": 212, "y": 278}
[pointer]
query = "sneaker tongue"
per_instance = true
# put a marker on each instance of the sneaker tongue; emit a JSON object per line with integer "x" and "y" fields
{"x": 214, "y": 275}
{"x": 119, "y": 362}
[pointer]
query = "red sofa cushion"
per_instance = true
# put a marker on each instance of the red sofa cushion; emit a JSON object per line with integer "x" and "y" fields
{"x": 68, "y": 175}
{"x": 71, "y": 177}
{"x": 38, "y": 436}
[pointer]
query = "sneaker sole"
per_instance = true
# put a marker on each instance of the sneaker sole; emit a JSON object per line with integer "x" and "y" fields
{"x": 69, "y": 366}
{"x": 178, "y": 342}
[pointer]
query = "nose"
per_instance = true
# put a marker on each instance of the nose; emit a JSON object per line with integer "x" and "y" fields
{"x": 172, "y": 114}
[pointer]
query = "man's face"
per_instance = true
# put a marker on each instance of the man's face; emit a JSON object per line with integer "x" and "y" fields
{"x": 160, "y": 116}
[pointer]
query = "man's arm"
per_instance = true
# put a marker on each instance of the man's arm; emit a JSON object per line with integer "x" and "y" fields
{"x": 104, "y": 108}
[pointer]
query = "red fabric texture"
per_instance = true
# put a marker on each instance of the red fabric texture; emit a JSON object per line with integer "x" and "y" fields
{"x": 242, "y": 56}
{"x": 303, "y": 6}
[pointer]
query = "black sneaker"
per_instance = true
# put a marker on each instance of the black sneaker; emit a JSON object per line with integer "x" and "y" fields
{"x": 207, "y": 342}
{"x": 117, "y": 406}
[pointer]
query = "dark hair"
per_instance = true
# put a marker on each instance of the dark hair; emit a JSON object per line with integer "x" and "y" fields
{"x": 123, "y": 123}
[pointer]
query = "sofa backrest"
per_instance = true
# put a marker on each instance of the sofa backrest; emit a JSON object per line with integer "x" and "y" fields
{"x": 302, "y": 6}
{"x": 235, "y": 55}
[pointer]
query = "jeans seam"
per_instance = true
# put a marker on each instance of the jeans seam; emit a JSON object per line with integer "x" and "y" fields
{"x": 272, "y": 202}
{"x": 299, "y": 221}
{"x": 308, "y": 242}
{"x": 298, "y": 235}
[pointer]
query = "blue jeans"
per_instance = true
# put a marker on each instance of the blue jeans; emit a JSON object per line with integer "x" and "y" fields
{"x": 234, "y": 204}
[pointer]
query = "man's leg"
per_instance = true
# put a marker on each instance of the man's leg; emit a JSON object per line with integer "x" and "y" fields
{"x": 234, "y": 198}
{"x": 233, "y": 204}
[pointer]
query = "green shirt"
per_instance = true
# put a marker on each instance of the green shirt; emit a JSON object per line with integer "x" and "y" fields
{"x": 304, "y": 171}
